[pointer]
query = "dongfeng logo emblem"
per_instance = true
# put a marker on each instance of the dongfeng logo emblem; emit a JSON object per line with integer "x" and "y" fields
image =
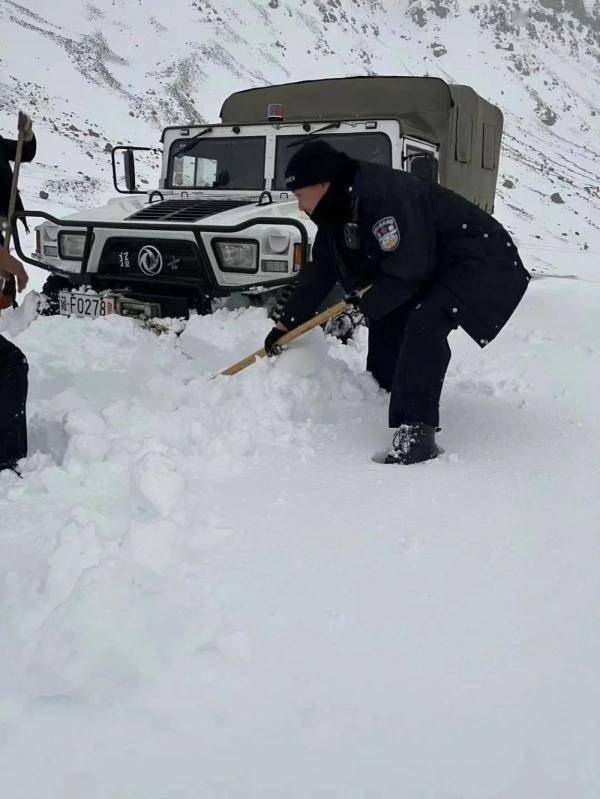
{"x": 150, "y": 261}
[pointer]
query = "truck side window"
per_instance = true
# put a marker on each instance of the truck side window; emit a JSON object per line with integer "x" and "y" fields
{"x": 422, "y": 163}
{"x": 489, "y": 147}
{"x": 464, "y": 136}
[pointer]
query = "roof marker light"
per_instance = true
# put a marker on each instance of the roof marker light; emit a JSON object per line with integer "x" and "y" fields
{"x": 275, "y": 112}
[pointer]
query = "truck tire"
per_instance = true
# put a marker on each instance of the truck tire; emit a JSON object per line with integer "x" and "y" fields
{"x": 280, "y": 298}
{"x": 50, "y": 290}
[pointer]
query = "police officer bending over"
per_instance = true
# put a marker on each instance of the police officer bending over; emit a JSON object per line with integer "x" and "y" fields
{"x": 434, "y": 261}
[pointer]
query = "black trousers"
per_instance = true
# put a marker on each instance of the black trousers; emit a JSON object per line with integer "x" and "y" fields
{"x": 13, "y": 396}
{"x": 409, "y": 355}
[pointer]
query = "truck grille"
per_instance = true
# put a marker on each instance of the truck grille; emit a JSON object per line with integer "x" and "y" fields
{"x": 151, "y": 259}
{"x": 186, "y": 210}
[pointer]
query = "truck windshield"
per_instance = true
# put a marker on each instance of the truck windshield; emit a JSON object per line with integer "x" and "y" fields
{"x": 373, "y": 147}
{"x": 219, "y": 163}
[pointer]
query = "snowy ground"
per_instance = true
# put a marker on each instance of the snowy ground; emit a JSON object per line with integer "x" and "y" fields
{"x": 208, "y": 589}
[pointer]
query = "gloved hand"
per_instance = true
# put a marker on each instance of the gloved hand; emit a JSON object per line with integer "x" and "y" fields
{"x": 25, "y": 124}
{"x": 352, "y": 299}
{"x": 271, "y": 346}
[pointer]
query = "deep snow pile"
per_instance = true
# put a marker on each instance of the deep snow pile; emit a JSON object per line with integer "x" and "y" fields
{"x": 208, "y": 589}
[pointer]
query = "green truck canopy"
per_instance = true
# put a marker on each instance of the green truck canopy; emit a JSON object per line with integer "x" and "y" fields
{"x": 466, "y": 128}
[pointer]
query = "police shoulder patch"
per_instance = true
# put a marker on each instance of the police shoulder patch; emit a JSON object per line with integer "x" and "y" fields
{"x": 387, "y": 234}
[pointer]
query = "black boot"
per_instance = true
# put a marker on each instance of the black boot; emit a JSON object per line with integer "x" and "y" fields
{"x": 413, "y": 443}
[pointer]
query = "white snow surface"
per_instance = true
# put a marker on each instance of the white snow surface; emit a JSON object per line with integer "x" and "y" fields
{"x": 208, "y": 589}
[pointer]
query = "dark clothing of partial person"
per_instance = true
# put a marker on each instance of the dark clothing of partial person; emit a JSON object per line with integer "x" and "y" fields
{"x": 13, "y": 396}
{"x": 13, "y": 364}
{"x": 434, "y": 260}
{"x": 8, "y": 151}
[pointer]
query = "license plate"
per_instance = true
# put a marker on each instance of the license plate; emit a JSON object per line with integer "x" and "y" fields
{"x": 75, "y": 303}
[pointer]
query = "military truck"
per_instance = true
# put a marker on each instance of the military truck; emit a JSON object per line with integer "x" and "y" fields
{"x": 220, "y": 220}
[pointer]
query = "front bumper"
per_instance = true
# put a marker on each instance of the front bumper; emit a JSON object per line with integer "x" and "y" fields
{"x": 187, "y": 262}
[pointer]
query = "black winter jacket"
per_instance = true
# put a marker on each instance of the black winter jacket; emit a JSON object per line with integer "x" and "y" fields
{"x": 415, "y": 235}
{"x": 8, "y": 150}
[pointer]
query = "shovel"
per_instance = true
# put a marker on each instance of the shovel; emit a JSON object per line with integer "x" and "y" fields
{"x": 319, "y": 319}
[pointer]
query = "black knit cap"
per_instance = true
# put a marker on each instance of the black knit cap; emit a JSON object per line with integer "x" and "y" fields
{"x": 315, "y": 162}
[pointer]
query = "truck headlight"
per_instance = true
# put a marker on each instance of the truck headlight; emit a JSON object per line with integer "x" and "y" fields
{"x": 71, "y": 246}
{"x": 237, "y": 256}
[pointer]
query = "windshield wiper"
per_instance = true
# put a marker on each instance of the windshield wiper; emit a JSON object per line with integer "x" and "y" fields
{"x": 326, "y": 127}
{"x": 192, "y": 141}
{"x": 313, "y": 133}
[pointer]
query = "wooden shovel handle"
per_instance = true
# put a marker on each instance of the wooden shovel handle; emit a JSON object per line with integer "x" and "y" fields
{"x": 287, "y": 337}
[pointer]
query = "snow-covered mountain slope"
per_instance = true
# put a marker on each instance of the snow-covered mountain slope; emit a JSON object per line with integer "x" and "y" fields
{"x": 94, "y": 75}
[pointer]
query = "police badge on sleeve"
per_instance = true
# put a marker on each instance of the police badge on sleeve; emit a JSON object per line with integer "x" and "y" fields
{"x": 387, "y": 234}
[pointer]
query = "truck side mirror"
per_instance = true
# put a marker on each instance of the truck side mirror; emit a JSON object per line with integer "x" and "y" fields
{"x": 129, "y": 167}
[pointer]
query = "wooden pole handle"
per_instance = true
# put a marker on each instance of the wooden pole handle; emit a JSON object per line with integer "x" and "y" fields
{"x": 13, "y": 187}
